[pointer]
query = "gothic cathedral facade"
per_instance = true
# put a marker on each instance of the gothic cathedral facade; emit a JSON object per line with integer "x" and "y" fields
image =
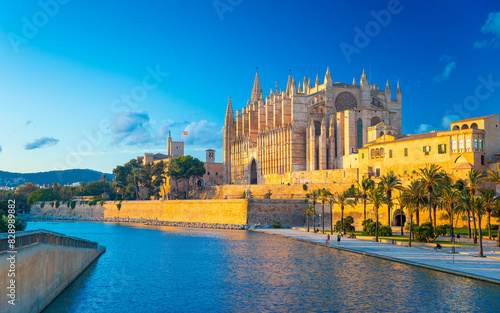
{"x": 305, "y": 128}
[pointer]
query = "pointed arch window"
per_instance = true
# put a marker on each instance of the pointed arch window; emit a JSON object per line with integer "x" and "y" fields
{"x": 360, "y": 133}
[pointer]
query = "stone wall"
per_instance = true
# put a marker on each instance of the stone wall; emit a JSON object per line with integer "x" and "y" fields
{"x": 266, "y": 211}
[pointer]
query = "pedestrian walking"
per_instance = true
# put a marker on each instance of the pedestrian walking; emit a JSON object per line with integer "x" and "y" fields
{"x": 327, "y": 239}
{"x": 458, "y": 238}
{"x": 338, "y": 238}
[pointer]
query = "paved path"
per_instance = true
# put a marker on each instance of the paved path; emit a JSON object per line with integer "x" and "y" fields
{"x": 465, "y": 265}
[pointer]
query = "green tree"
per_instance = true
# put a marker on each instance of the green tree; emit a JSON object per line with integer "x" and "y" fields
{"x": 473, "y": 182}
{"x": 430, "y": 177}
{"x": 313, "y": 196}
{"x": 377, "y": 198}
{"x": 45, "y": 194}
{"x": 308, "y": 211}
{"x": 490, "y": 203}
{"x": 412, "y": 199}
{"x": 364, "y": 186}
{"x": 4, "y": 224}
{"x": 477, "y": 205}
{"x": 389, "y": 183}
{"x": 323, "y": 195}
{"x": 187, "y": 169}
{"x": 342, "y": 199}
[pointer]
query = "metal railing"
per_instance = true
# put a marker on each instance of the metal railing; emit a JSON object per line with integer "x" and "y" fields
{"x": 40, "y": 236}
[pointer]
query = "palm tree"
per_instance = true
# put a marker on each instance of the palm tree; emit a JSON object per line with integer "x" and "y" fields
{"x": 364, "y": 186}
{"x": 473, "y": 181}
{"x": 376, "y": 196}
{"x": 429, "y": 177}
{"x": 324, "y": 194}
{"x": 411, "y": 198}
{"x": 342, "y": 199}
{"x": 331, "y": 202}
{"x": 490, "y": 203}
{"x": 309, "y": 211}
{"x": 494, "y": 176}
{"x": 477, "y": 206}
{"x": 313, "y": 195}
{"x": 448, "y": 199}
{"x": 388, "y": 183}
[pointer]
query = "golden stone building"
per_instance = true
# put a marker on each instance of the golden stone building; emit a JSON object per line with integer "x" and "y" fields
{"x": 304, "y": 129}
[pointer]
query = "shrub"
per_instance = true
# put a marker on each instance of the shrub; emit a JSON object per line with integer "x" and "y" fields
{"x": 57, "y": 204}
{"x": 118, "y": 206}
{"x": 385, "y": 231}
{"x": 277, "y": 224}
{"x": 268, "y": 195}
{"x": 494, "y": 227}
{"x": 365, "y": 225}
{"x": 101, "y": 202}
{"x": 42, "y": 204}
{"x": 347, "y": 224}
{"x": 304, "y": 187}
{"x": 423, "y": 232}
{"x": 72, "y": 204}
{"x": 442, "y": 230}
{"x": 52, "y": 204}
{"x": 92, "y": 202}
{"x": 4, "y": 224}
{"x": 244, "y": 196}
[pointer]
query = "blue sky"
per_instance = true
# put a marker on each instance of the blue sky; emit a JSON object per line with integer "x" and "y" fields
{"x": 92, "y": 84}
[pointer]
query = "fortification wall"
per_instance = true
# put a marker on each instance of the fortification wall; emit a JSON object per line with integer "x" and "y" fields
{"x": 195, "y": 211}
{"x": 266, "y": 211}
{"x": 42, "y": 272}
{"x": 81, "y": 209}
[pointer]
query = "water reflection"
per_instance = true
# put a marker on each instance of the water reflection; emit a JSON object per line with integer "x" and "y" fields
{"x": 166, "y": 269}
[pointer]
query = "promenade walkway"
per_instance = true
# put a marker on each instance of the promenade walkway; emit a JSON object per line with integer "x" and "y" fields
{"x": 487, "y": 269}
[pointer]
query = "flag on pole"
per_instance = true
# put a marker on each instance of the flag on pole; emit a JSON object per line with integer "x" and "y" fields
{"x": 184, "y": 132}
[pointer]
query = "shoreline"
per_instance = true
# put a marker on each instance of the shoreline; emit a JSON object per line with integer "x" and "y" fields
{"x": 430, "y": 260}
{"x": 147, "y": 222}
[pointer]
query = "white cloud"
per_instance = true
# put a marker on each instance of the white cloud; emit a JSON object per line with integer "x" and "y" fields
{"x": 131, "y": 128}
{"x": 204, "y": 134}
{"x": 447, "y": 119}
{"x": 424, "y": 128}
{"x": 41, "y": 143}
{"x": 445, "y": 75}
{"x": 491, "y": 27}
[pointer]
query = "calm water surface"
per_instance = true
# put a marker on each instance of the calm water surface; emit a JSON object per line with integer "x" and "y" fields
{"x": 166, "y": 269}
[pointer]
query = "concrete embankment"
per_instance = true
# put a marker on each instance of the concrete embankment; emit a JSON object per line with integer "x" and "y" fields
{"x": 485, "y": 269}
{"x": 41, "y": 266}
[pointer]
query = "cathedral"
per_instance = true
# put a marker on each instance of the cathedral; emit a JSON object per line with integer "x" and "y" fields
{"x": 305, "y": 128}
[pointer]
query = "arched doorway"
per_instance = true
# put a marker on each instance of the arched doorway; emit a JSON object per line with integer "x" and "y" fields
{"x": 253, "y": 173}
{"x": 200, "y": 183}
{"x": 398, "y": 218}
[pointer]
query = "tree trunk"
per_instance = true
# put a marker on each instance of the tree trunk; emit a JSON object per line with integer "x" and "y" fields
{"x": 429, "y": 206}
{"x": 376, "y": 223}
{"x": 411, "y": 230}
{"x": 364, "y": 207}
{"x": 314, "y": 216}
{"x": 417, "y": 213}
{"x": 479, "y": 216}
{"x": 475, "y": 228}
{"x": 451, "y": 221}
{"x": 323, "y": 216}
{"x": 307, "y": 221}
{"x": 331, "y": 219}
{"x": 342, "y": 217}
{"x": 435, "y": 219}
{"x": 468, "y": 225}
{"x": 389, "y": 212}
{"x": 401, "y": 219}
{"x": 489, "y": 225}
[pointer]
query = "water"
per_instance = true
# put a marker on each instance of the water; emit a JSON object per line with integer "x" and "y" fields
{"x": 191, "y": 270}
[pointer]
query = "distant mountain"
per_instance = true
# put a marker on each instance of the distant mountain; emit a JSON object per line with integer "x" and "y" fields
{"x": 64, "y": 177}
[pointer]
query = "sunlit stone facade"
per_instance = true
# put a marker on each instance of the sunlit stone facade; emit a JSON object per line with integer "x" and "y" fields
{"x": 305, "y": 128}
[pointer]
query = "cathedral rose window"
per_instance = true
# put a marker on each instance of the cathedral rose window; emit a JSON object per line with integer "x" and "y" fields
{"x": 345, "y": 101}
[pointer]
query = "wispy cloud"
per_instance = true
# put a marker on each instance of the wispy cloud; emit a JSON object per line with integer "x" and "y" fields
{"x": 0, "y": 148}
{"x": 447, "y": 119}
{"x": 41, "y": 143}
{"x": 424, "y": 128}
{"x": 131, "y": 128}
{"x": 491, "y": 27}
{"x": 445, "y": 75}
{"x": 29, "y": 122}
{"x": 204, "y": 134}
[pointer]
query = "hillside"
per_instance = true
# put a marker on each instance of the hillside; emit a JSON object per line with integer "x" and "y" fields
{"x": 63, "y": 177}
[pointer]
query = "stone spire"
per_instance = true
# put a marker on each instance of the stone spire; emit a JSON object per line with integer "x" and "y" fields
{"x": 354, "y": 81}
{"x": 328, "y": 76}
{"x": 398, "y": 93}
{"x": 229, "y": 112}
{"x": 289, "y": 84}
{"x": 387, "y": 92}
{"x": 309, "y": 83}
{"x": 305, "y": 85}
{"x": 317, "y": 81}
{"x": 256, "y": 90}
{"x": 293, "y": 87}
{"x": 300, "y": 87}
{"x": 364, "y": 81}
